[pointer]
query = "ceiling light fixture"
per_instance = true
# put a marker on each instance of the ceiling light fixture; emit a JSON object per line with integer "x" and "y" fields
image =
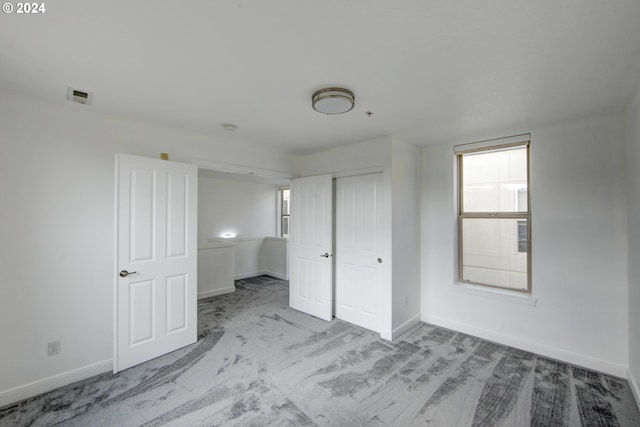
{"x": 333, "y": 100}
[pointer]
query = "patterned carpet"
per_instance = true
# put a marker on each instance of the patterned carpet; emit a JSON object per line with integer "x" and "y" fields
{"x": 259, "y": 363}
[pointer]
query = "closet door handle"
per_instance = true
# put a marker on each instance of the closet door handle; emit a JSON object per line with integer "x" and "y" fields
{"x": 325, "y": 255}
{"x": 125, "y": 273}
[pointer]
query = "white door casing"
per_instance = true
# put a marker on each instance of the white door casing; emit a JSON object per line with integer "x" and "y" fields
{"x": 155, "y": 308}
{"x": 359, "y": 249}
{"x": 310, "y": 240}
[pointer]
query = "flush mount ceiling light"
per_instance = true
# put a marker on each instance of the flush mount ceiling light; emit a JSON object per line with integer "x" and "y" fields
{"x": 333, "y": 100}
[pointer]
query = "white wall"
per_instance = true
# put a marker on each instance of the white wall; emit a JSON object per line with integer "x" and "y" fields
{"x": 216, "y": 269}
{"x": 247, "y": 262}
{"x": 406, "y": 242}
{"x": 56, "y": 227}
{"x": 578, "y": 250}
{"x": 273, "y": 257}
{"x": 246, "y": 209}
{"x": 632, "y": 154}
{"x": 352, "y": 157}
{"x": 255, "y": 256}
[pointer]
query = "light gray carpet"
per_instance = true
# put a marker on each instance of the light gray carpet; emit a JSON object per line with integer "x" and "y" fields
{"x": 258, "y": 363}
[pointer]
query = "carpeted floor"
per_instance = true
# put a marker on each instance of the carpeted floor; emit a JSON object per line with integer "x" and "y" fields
{"x": 259, "y": 363}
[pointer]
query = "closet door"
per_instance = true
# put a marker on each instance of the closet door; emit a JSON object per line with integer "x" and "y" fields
{"x": 310, "y": 240}
{"x": 359, "y": 248}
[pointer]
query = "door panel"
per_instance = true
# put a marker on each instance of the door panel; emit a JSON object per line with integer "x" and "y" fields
{"x": 177, "y": 299}
{"x": 177, "y": 223}
{"x": 155, "y": 305}
{"x": 143, "y": 202}
{"x": 359, "y": 244}
{"x": 142, "y": 303}
{"x": 311, "y": 237}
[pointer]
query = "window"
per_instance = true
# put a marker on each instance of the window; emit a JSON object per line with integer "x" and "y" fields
{"x": 494, "y": 226}
{"x": 285, "y": 196}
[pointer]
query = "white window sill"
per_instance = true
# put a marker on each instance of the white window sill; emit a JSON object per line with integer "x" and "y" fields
{"x": 496, "y": 294}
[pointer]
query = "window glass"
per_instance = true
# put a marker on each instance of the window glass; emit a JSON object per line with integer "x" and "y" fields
{"x": 285, "y": 199}
{"x": 495, "y": 181}
{"x": 494, "y": 217}
{"x": 493, "y": 252}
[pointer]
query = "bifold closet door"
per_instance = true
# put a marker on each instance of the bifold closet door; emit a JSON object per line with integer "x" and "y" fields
{"x": 310, "y": 243}
{"x": 359, "y": 248}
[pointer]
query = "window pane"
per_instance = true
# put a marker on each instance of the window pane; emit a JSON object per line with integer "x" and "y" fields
{"x": 523, "y": 240}
{"x": 495, "y": 181}
{"x": 285, "y": 201}
{"x": 495, "y": 252}
{"x": 285, "y": 198}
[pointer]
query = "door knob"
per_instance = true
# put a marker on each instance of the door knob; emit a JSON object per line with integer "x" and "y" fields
{"x": 125, "y": 273}
{"x": 325, "y": 255}
{"x": 379, "y": 260}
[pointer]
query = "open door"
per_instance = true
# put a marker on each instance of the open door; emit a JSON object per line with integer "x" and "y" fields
{"x": 310, "y": 240}
{"x": 155, "y": 296}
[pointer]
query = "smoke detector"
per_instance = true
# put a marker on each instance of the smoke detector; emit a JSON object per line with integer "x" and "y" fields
{"x": 79, "y": 96}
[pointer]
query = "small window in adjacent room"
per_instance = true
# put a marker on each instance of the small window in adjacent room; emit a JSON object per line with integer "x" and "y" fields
{"x": 285, "y": 195}
{"x": 494, "y": 226}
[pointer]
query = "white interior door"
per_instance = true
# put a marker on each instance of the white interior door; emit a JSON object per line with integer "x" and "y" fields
{"x": 310, "y": 240}
{"x": 156, "y": 287}
{"x": 359, "y": 246}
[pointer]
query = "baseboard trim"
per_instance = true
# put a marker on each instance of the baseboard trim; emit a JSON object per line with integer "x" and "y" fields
{"x": 42, "y": 386}
{"x": 635, "y": 386}
{"x": 260, "y": 273}
{"x": 248, "y": 275}
{"x": 405, "y": 327}
{"x": 216, "y": 292}
{"x": 276, "y": 275}
{"x": 541, "y": 349}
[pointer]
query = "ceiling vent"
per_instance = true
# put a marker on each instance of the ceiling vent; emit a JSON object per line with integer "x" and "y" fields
{"x": 82, "y": 97}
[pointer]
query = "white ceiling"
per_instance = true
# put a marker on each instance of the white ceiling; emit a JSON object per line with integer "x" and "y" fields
{"x": 429, "y": 70}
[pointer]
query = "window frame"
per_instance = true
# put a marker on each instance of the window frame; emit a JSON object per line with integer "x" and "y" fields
{"x": 494, "y": 145}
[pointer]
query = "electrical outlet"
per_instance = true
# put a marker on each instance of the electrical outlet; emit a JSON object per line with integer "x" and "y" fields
{"x": 53, "y": 348}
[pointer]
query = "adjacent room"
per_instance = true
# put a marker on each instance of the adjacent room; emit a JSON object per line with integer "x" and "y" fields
{"x": 330, "y": 213}
{"x": 240, "y": 229}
